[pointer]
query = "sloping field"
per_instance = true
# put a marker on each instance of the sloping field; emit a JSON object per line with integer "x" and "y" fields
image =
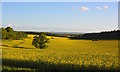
{"x": 62, "y": 53}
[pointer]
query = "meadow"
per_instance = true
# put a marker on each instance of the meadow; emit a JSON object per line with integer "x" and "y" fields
{"x": 62, "y": 54}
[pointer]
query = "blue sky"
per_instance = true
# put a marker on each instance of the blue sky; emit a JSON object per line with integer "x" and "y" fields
{"x": 61, "y": 16}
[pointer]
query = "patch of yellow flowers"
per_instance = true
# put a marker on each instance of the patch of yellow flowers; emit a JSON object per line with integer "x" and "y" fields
{"x": 65, "y": 51}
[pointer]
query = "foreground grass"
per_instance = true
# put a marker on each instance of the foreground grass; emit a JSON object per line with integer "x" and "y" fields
{"x": 62, "y": 54}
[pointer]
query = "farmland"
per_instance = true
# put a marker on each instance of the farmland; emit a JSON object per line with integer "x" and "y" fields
{"x": 62, "y": 53}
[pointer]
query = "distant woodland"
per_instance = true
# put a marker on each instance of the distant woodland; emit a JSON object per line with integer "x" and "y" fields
{"x": 106, "y": 35}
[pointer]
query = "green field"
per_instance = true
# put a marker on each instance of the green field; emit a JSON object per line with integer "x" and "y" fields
{"x": 62, "y": 53}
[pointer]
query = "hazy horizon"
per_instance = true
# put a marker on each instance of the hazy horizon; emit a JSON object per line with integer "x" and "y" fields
{"x": 61, "y": 16}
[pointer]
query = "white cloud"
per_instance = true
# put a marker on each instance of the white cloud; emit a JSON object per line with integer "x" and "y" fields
{"x": 105, "y": 7}
{"x": 10, "y": 25}
{"x": 83, "y": 8}
{"x": 98, "y": 8}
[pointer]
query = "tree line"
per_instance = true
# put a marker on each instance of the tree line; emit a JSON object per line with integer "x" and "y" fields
{"x": 107, "y": 35}
{"x": 9, "y": 33}
{"x": 49, "y": 34}
{"x": 40, "y": 40}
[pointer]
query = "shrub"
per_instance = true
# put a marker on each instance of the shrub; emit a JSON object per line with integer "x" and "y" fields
{"x": 52, "y": 38}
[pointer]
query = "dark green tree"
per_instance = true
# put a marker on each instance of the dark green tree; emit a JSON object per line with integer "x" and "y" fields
{"x": 24, "y": 35}
{"x": 9, "y": 29}
{"x": 3, "y": 33}
{"x": 40, "y": 41}
{"x": 9, "y": 33}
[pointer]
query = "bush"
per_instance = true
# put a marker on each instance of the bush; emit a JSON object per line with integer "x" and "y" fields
{"x": 40, "y": 41}
{"x": 52, "y": 38}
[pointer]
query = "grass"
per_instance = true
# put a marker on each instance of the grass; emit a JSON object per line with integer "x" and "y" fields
{"x": 62, "y": 54}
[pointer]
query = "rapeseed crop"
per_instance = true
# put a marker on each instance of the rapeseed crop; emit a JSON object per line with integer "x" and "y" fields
{"x": 62, "y": 53}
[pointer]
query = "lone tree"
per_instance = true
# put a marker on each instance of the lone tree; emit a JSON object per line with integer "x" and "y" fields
{"x": 40, "y": 41}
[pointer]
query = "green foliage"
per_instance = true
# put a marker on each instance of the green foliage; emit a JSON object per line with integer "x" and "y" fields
{"x": 9, "y": 33}
{"x": 107, "y": 35}
{"x": 40, "y": 41}
{"x": 9, "y": 29}
{"x": 15, "y": 46}
{"x": 3, "y": 33}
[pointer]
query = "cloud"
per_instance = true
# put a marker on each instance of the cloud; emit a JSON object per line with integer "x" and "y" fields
{"x": 105, "y": 7}
{"x": 83, "y": 8}
{"x": 98, "y": 8}
{"x": 10, "y": 25}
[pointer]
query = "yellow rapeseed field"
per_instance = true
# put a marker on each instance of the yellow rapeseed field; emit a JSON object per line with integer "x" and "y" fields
{"x": 62, "y": 52}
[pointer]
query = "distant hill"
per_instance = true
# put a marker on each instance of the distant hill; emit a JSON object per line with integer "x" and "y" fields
{"x": 75, "y": 33}
{"x": 115, "y": 35}
{"x": 58, "y": 34}
{"x": 32, "y": 32}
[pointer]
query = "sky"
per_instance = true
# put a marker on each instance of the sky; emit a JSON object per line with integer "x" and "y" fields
{"x": 60, "y": 16}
